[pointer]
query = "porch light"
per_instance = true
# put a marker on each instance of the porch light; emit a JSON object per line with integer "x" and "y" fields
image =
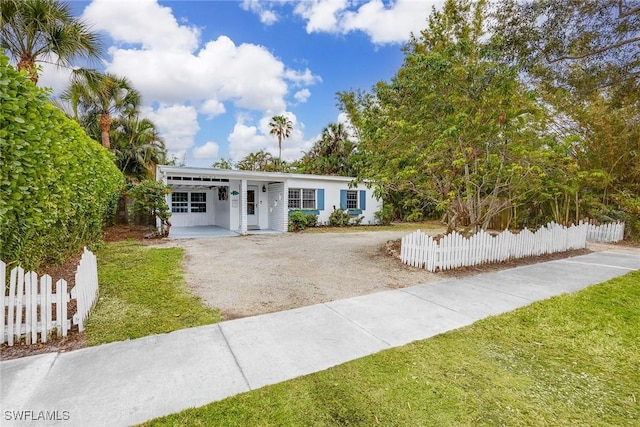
{"x": 264, "y": 188}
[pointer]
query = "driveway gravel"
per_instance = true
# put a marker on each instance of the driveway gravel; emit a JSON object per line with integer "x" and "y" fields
{"x": 263, "y": 273}
{"x": 256, "y": 274}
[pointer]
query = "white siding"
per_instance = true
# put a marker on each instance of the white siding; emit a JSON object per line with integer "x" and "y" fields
{"x": 277, "y": 209}
{"x": 187, "y": 219}
{"x": 221, "y": 210}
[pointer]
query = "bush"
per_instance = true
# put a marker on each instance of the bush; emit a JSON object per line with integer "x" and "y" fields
{"x": 299, "y": 220}
{"x": 342, "y": 218}
{"x": 384, "y": 215}
{"x": 312, "y": 220}
{"x": 58, "y": 185}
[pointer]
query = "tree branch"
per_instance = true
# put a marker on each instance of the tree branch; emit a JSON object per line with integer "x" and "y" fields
{"x": 595, "y": 52}
{"x": 631, "y": 11}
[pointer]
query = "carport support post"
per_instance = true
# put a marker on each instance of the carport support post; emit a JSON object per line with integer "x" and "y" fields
{"x": 243, "y": 207}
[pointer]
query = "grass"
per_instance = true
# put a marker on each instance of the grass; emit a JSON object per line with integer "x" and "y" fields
{"x": 400, "y": 226}
{"x": 570, "y": 360}
{"x": 142, "y": 292}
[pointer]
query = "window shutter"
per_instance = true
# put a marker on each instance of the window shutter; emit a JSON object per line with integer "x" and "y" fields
{"x": 343, "y": 199}
{"x": 320, "y": 197}
{"x": 363, "y": 199}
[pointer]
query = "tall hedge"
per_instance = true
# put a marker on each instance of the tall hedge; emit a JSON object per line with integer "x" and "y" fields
{"x": 57, "y": 185}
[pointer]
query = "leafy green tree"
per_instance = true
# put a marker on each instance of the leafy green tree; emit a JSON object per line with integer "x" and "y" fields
{"x": 223, "y": 164}
{"x": 454, "y": 130}
{"x": 557, "y": 40}
{"x": 583, "y": 58}
{"x": 258, "y": 161}
{"x": 35, "y": 31}
{"x": 333, "y": 154}
{"x": 149, "y": 198}
{"x": 280, "y": 126}
{"x": 96, "y": 98}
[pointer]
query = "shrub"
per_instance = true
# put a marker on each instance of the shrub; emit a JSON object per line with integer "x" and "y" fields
{"x": 312, "y": 220}
{"x": 342, "y": 218}
{"x": 297, "y": 221}
{"x": 384, "y": 215}
{"x": 58, "y": 185}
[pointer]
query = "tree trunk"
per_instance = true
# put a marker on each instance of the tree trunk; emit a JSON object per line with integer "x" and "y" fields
{"x": 29, "y": 65}
{"x": 105, "y": 126}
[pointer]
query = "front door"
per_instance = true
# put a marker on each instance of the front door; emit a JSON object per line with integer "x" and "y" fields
{"x": 252, "y": 206}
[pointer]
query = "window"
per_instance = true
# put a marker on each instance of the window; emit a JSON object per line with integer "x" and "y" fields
{"x": 294, "y": 198}
{"x": 302, "y": 198}
{"x": 308, "y": 199}
{"x": 189, "y": 202}
{"x": 198, "y": 202}
{"x": 179, "y": 202}
{"x": 352, "y": 199}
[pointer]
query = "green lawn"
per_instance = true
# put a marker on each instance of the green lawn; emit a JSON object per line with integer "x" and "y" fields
{"x": 142, "y": 292}
{"x": 568, "y": 361}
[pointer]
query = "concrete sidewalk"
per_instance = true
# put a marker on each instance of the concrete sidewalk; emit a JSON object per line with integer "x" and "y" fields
{"x": 130, "y": 382}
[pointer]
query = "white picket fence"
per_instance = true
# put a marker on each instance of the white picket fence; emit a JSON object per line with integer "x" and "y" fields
{"x": 454, "y": 250}
{"x": 605, "y": 233}
{"x": 27, "y": 311}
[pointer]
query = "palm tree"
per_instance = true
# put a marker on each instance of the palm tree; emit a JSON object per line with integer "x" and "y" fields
{"x": 44, "y": 31}
{"x": 258, "y": 161}
{"x": 281, "y": 127}
{"x": 332, "y": 154}
{"x": 138, "y": 147}
{"x": 98, "y": 96}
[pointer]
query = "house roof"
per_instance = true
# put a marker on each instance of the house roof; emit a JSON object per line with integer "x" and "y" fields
{"x": 164, "y": 170}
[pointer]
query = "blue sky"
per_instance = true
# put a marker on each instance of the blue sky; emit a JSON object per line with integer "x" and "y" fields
{"x": 212, "y": 73}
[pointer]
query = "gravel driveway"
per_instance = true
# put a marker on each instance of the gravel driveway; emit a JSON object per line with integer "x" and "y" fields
{"x": 256, "y": 274}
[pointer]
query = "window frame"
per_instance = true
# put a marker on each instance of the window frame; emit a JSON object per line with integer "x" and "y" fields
{"x": 187, "y": 204}
{"x": 300, "y": 198}
{"x": 353, "y": 203}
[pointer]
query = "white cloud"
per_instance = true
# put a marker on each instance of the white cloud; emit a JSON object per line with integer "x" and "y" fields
{"x": 56, "y": 78}
{"x": 302, "y": 95}
{"x": 207, "y": 151}
{"x": 245, "y": 139}
{"x": 177, "y": 125}
{"x": 212, "y": 108}
{"x": 267, "y": 16}
{"x": 383, "y": 23}
{"x": 321, "y": 15}
{"x": 300, "y": 78}
{"x": 141, "y": 22}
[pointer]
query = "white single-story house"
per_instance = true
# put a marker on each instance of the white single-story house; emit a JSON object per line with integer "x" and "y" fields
{"x": 248, "y": 200}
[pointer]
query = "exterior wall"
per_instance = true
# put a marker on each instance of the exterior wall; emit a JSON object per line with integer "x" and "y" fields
{"x": 332, "y": 191}
{"x": 222, "y": 210}
{"x": 272, "y": 205}
{"x": 277, "y": 208}
{"x": 234, "y": 200}
{"x": 187, "y": 219}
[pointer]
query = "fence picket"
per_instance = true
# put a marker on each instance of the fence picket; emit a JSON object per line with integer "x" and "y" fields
{"x": 27, "y": 310}
{"x": 45, "y": 308}
{"x": 454, "y": 250}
